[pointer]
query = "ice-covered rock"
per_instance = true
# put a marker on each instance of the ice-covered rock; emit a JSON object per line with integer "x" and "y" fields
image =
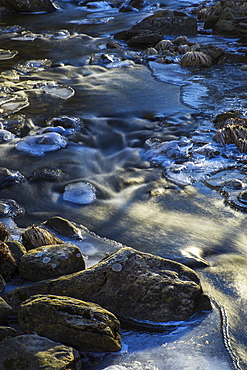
{"x": 37, "y": 145}
{"x": 80, "y": 193}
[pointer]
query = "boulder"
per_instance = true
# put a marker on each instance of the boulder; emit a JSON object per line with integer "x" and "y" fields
{"x": 131, "y": 284}
{"x": 82, "y": 325}
{"x": 51, "y": 261}
{"x": 151, "y": 29}
{"x": 30, "y": 351}
{"x": 17, "y": 249}
{"x": 5, "y": 310}
{"x": 7, "y": 262}
{"x": 34, "y": 237}
{"x": 7, "y": 332}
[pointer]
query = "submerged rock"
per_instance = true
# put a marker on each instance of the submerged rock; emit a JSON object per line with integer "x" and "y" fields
{"x": 51, "y": 261}
{"x": 30, "y": 351}
{"x": 131, "y": 284}
{"x": 34, "y": 237}
{"x": 82, "y": 325}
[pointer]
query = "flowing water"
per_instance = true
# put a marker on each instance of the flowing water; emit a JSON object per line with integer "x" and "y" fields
{"x": 137, "y": 165}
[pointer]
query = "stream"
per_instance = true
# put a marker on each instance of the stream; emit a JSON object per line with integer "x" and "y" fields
{"x": 139, "y": 144}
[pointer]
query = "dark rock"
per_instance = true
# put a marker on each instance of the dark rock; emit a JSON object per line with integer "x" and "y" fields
{"x": 34, "y": 237}
{"x": 9, "y": 177}
{"x": 128, "y": 283}
{"x": 144, "y": 39}
{"x": 17, "y": 250}
{"x": 10, "y": 208}
{"x": 4, "y": 233}
{"x": 63, "y": 226}
{"x": 18, "y": 124}
{"x": 47, "y": 174}
{"x": 5, "y": 310}
{"x": 31, "y": 352}
{"x": 111, "y": 44}
{"x": 82, "y": 325}
{"x": 7, "y": 262}
{"x": 7, "y": 332}
{"x": 51, "y": 261}
{"x": 29, "y": 5}
{"x": 2, "y": 284}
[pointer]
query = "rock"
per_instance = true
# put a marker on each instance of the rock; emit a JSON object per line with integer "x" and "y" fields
{"x": 5, "y": 310}
{"x": 7, "y": 332}
{"x": 151, "y": 29}
{"x": 31, "y": 351}
{"x": 10, "y": 208}
{"x": 63, "y": 226}
{"x": 130, "y": 284}
{"x": 233, "y": 131}
{"x": 82, "y": 325}
{"x": 34, "y": 237}
{"x": 7, "y": 262}
{"x": 17, "y": 249}
{"x": 29, "y": 5}
{"x": 51, "y": 261}
{"x": 4, "y": 233}
{"x": 9, "y": 178}
{"x": 195, "y": 58}
{"x": 2, "y": 284}
{"x": 47, "y": 174}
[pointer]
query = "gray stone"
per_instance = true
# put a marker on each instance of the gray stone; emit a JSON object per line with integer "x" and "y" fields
{"x": 29, "y": 352}
{"x": 5, "y": 310}
{"x": 82, "y": 325}
{"x": 146, "y": 287}
{"x": 51, "y": 261}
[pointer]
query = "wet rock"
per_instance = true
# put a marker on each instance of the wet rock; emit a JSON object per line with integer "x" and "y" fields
{"x": 2, "y": 284}
{"x": 7, "y": 54}
{"x": 164, "y": 22}
{"x": 51, "y": 261}
{"x": 31, "y": 351}
{"x": 7, "y": 332}
{"x": 146, "y": 287}
{"x": 17, "y": 249}
{"x": 9, "y": 178}
{"x": 64, "y": 121}
{"x": 10, "y": 208}
{"x": 233, "y": 131}
{"x": 7, "y": 262}
{"x": 63, "y": 226}
{"x": 226, "y": 18}
{"x": 47, "y": 174}
{"x": 29, "y": 5}
{"x": 5, "y": 310}
{"x": 82, "y": 325}
{"x": 18, "y": 124}
{"x": 34, "y": 237}
{"x": 4, "y": 233}
{"x": 194, "y": 59}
